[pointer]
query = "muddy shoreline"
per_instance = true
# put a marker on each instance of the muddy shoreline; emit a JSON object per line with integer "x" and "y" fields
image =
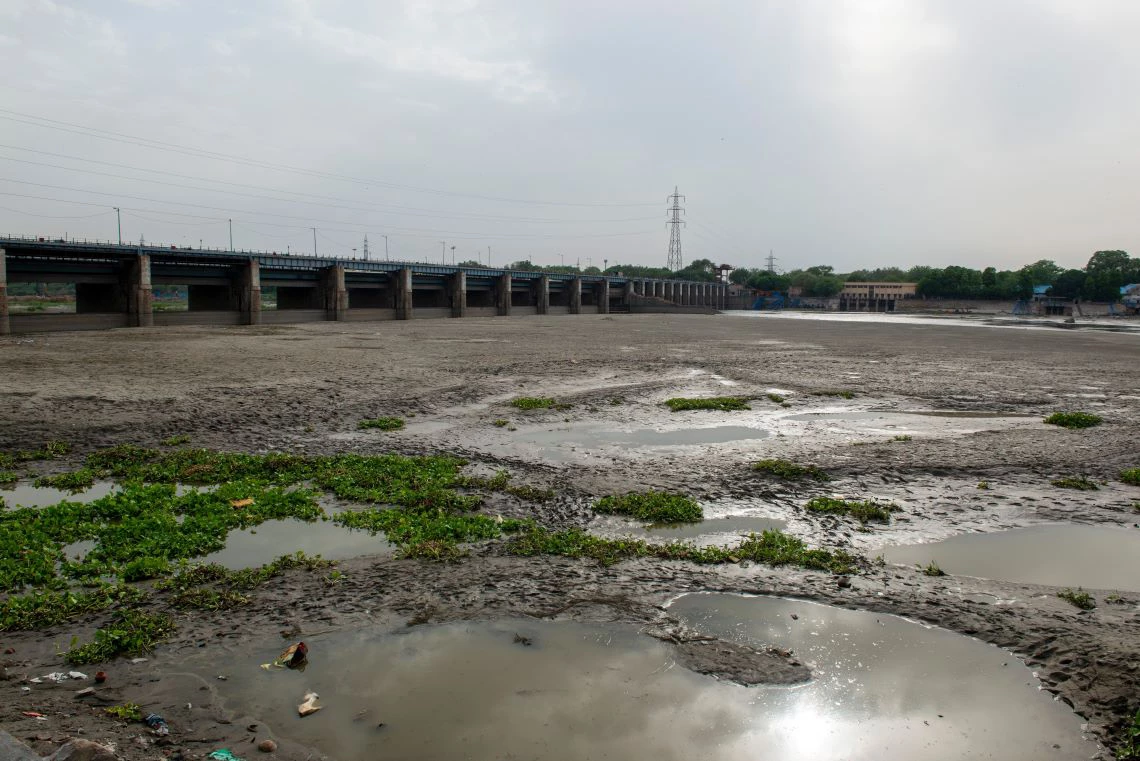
{"x": 303, "y": 388}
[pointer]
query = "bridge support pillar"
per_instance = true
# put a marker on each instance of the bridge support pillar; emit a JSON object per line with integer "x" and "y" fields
{"x": 249, "y": 293}
{"x": 403, "y": 289}
{"x": 457, "y": 291}
{"x": 140, "y": 301}
{"x": 542, "y": 294}
{"x": 576, "y": 295}
{"x": 629, "y": 292}
{"x": 5, "y": 325}
{"x": 604, "y": 296}
{"x": 503, "y": 294}
{"x": 334, "y": 293}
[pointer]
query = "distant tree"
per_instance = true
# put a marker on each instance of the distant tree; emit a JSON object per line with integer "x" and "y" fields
{"x": 742, "y": 275}
{"x": 1044, "y": 271}
{"x": 1069, "y": 284}
{"x": 1106, "y": 272}
{"x": 592, "y": 271}
{"x": 524, "y": 265}
{"x": 639, "y": 270}
{"x": 470, "y": 263}
{"x": 699, "y": 269}
{"x": 763, "y": 280}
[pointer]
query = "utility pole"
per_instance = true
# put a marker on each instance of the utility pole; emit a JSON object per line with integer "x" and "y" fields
{"x": 771, "y": 262}
{"x": 675, "y": 261}
{"x": 119, "y": 219}
{"x": 453, "y": 255}
{"x": 385, "y": 237}
{"x": 314, "y": 241}
{"x": 443, "y": 252}
{"x": 231, "y": 235}
{"x": 365, "y": 252}
{"x": 488, "y": 256}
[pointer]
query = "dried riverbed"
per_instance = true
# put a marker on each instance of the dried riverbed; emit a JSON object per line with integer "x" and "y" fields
{"x": 304, "y": 388}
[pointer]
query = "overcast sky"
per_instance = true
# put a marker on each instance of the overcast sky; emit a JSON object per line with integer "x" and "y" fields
{"x": 856, "y": 133}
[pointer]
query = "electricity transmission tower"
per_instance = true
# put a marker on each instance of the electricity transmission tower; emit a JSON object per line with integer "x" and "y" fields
{"x": 771, "y": 262}
{"x": 675, "y": 262}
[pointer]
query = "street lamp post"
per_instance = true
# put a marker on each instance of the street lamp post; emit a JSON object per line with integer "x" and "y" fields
{"x": 453, "y": 255}
{"x": 443, "y": 252}
{"x": 119, "y": 219}
{"x": 385, "y": 237}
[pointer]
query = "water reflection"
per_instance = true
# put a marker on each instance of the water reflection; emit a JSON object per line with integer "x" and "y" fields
{"x": 1058, "y": 555}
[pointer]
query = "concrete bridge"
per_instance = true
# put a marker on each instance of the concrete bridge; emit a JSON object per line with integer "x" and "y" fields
{"x": 114, "y": 282}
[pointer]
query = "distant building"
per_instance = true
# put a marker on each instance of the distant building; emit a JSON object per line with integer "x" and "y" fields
{"x": 874, "y": 297}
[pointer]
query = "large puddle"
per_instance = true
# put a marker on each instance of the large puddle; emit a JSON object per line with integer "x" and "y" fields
{"x": 24, "y": 494}
{"x": 885, "y": 689}
{"x": 265, "y": 543}
{"x": 560, "y": 443}
{"x": 1096, "y": 557}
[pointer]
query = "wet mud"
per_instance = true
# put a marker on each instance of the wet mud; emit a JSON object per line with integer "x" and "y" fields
{"x": 304, "y": 388}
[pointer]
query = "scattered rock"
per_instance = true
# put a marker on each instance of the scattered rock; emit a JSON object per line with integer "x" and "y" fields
{"x": 12, "y": 749}
{"x": 85, "y": 692}
{"x": 267, "y": 746}
{"x": 83, "y": 750}
{"x": 521, "y": 640}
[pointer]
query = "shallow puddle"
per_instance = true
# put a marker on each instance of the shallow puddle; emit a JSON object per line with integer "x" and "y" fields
{"x": 887, "y": 688}
{"x": 899, "y": 416}
{"x": 560, "y": 442}
{"x": 24, "y": 494}
{"x": 579, "y": 691}
{"x": 1096, "y": 557}
{"x": 265, "y": 543}
{"x": 714, "y": 530}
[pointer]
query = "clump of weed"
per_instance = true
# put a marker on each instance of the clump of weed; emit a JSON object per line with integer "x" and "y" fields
{"x": 1078, "y": 598}
{"x": 865, "y": 511}
{"x": 1080, "y": 483}
{"x": 983, "y": 484}
{"x": 8, "y": 477}
{"x": 501, "y": 482}
{"x": 201, "y": 598}
{"x": 1074, "y": 419}
{"x": 382, "y": 424}
{"x": 130, "y": 632}
{"x": 771, "y": 547}
{"x": 1129, "y": 748}
{"x": 500, "y": 423}
{"x": 49, "y": 451}
{"x": 75, "y": 481}
{"x": 722, "y": 403}
{"x": 656, "y": 507}
{"x": 932, "y": 569}
{"x": 126, "y": 711}
{"x": 790, "y": 471}
{"x": 437, "y": 550}
{"x": 176, "y": 441}
{"x": 840, "y": 392}
{"x": 40, "y": 610}
{"x": 902, "y": 437}
{"x": 616, "y": 402}
{"x": 534, "y": 403}
{"x": 776, "y": 398}
{"x": 1129, "y": 476}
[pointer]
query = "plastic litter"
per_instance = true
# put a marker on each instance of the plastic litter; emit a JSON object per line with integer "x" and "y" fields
{"x": 156, "y": 723}
{"x": 32, "y": 715}
{"x": 224, "y": 754}
{"x": 310, "y": 705}
{"x": 293, "y": 657}
{"x": 239, "y": 503}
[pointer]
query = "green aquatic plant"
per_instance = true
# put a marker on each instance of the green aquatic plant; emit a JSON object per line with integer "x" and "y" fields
{"x": 130, "y": 632}
{"x": 126, "y": 711}
{"x": 790, "y": 471}
{"x": 1078, "y": 598}
{"x": 381, "y": 424}
{"x": 771, "y": 547}
{"x": 839, "y": 392}
{"x": 500, "y": 423}
{"x": 1080, "y": 483}
{"x": 932, "y": 569}
{"x": 722, "y": 403}
{"x": 865, "y": 511}
{"x": 1074, "y": 419}
{"x": 176, "y": 441}
{"x": 902, "y": 437}
{"x": 656, "y": 507}
{"x": 74, "y": 481}
{"x": 534, "y": 403}
{"x": 40, "y": 610}
{"x": 1131, "y": 476}
{"x": 775, "y": 398}
{"x": 1129, "y": 747}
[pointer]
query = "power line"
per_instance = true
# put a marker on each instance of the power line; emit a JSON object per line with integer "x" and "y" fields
{"x": 675, "y": 261}
{"x": 120, "y": 137}
{"x": 410, "y": 232}
{"x": 383, "y": 208}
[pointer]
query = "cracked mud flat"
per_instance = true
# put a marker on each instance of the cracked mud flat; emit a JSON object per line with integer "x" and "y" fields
{"x": 303, "y": 388}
